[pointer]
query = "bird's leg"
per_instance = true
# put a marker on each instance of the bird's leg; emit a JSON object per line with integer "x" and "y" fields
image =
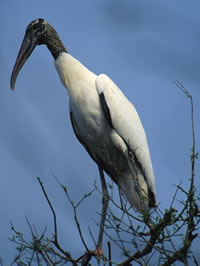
{"x": 105, "y": 201}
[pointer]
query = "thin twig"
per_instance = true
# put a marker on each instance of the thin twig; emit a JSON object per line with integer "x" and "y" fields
{"x": 56, "y": 243}
{"x": 181, "y": 254}
{"x": 75, "y": 206}
{"x": 109, "y": 254}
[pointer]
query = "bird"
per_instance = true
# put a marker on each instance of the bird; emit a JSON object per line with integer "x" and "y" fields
{"x": 104, "y": 121}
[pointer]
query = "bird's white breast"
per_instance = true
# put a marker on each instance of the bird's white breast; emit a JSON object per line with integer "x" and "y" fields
{"x": 84, "y": 99}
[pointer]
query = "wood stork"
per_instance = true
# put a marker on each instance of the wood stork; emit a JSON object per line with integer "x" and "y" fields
{"x": 103, "y": 120}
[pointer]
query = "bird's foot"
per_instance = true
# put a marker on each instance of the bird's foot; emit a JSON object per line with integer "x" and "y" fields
{"x": 99, "y": 253}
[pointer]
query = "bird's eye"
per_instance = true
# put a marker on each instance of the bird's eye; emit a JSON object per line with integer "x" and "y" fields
{"x": 35, "y": 26}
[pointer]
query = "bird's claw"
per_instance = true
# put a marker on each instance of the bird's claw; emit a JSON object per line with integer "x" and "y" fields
{"x": 98, "y": 252}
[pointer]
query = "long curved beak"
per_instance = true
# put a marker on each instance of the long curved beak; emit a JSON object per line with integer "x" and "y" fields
{"x": 27, "y": 47}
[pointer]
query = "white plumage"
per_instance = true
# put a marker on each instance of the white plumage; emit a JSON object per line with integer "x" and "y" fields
{"x": 109, "y": 144}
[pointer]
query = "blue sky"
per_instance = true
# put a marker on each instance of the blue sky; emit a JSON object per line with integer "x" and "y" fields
{"x": 143, "y": 46}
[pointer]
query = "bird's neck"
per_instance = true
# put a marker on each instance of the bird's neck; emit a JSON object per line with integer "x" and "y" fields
{"x": 53, "y": 42}
{"x": 75, "y": 76}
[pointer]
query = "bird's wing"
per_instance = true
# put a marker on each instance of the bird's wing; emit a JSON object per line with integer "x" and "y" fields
{"x": 123, "y": 117}
{"x": 75, "y": 128}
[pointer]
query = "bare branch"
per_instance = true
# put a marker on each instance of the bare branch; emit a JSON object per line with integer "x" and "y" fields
{"x": 56, "y": 243}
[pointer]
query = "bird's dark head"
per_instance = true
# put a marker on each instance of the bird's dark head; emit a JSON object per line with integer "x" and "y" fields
{"x": 38, "y": 32}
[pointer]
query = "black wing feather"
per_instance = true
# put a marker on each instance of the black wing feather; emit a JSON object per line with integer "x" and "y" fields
{"x": 105, "y": 109}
